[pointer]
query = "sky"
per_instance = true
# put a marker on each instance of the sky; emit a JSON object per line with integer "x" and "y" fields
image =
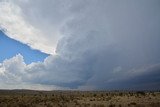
{"x": 80, "y": 44}
{"x": 10, "y": 47}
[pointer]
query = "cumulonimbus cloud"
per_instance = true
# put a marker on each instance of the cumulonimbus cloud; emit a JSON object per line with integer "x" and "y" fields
{"x": 98, "y": 43}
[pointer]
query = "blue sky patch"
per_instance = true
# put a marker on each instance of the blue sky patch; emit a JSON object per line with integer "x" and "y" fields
{"x": 10, "y": 47}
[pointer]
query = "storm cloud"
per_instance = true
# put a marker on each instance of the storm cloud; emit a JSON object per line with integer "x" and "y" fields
{"x": 98, "y": 44}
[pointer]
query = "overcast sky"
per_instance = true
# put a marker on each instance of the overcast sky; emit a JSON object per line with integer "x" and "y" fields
{"x": 89, "y": 44}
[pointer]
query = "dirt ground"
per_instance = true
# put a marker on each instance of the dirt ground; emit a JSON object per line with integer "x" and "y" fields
{"x": 29, "y": 98}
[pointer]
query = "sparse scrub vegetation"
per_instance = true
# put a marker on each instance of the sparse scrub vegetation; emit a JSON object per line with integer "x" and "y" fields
{"x": 27, "y": 98}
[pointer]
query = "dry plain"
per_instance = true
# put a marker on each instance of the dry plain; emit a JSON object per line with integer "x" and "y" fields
{"x": 30, "y": 98}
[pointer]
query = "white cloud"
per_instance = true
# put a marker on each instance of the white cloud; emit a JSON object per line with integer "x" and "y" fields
{"x": 27, "y": 26}
{"x": 15, "y": 74}
{"x": 15, "y": 71}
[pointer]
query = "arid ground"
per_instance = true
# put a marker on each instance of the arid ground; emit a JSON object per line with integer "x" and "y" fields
{"x": 29, "y": 98}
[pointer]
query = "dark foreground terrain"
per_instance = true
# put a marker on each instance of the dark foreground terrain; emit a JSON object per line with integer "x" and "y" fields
{"x": 28, "y": 98}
